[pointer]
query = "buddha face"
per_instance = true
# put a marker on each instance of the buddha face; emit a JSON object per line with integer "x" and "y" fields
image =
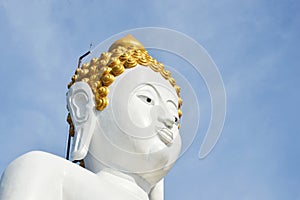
{"x": 154, "y": 102}
{"x": 139, "y": 127}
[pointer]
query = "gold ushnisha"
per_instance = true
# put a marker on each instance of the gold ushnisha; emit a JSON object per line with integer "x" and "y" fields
{"x": 99, "y": 73}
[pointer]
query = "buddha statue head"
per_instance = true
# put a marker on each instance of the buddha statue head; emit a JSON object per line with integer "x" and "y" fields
{"x": 124, "y": 113}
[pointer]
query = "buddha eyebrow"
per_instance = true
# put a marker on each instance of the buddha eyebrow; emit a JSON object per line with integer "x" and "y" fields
{"x": 172, "y": 102}
{"x": 153, "y": 88}
{"x": 149, "y": 88}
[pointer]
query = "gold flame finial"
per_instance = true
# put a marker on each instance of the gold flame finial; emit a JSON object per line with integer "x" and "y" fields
{"x": 127, "y": 41}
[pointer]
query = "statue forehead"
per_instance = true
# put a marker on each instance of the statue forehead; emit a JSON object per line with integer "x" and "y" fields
{"x": 141, "y": 75}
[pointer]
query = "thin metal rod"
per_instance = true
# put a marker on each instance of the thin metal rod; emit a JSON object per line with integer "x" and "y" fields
{"x": 81, "y": 57}
{"x": 68, "y": 147}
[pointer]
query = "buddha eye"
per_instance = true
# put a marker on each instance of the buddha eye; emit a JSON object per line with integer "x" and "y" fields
{"x": 146, "y": 99}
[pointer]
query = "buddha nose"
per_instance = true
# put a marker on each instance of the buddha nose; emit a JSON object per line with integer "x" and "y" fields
{"x": 166, "y": 117}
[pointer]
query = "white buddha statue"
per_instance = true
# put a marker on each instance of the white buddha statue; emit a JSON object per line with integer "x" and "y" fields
{"x": 124, "y": 111}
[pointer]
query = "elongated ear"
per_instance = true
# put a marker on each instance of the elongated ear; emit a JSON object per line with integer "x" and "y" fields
{"x": 80, "y": 103}
{"x": 157, "y": 192}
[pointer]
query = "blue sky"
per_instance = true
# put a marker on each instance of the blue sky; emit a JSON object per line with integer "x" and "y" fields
{"x": 255, "y": 44}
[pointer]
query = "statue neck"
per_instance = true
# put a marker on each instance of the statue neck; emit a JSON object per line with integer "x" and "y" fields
{"x": 134, "y": 178}
{"x": 97, "y": 167}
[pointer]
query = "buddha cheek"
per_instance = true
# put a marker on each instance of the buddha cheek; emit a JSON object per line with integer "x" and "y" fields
{"x": 139, "y": 113}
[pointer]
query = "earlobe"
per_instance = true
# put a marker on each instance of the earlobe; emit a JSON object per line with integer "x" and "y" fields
{"x": 157, "y": 192}
{"x": 80, "y": 102}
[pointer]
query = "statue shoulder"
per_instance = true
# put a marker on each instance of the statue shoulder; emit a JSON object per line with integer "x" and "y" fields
{"x": 34, "y": 159}
{"x": 39, "y": 175}
{"x": 31, "y": 175}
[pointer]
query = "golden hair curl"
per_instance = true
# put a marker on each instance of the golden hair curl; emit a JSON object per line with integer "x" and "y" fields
{"x": 100, "y": 73}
